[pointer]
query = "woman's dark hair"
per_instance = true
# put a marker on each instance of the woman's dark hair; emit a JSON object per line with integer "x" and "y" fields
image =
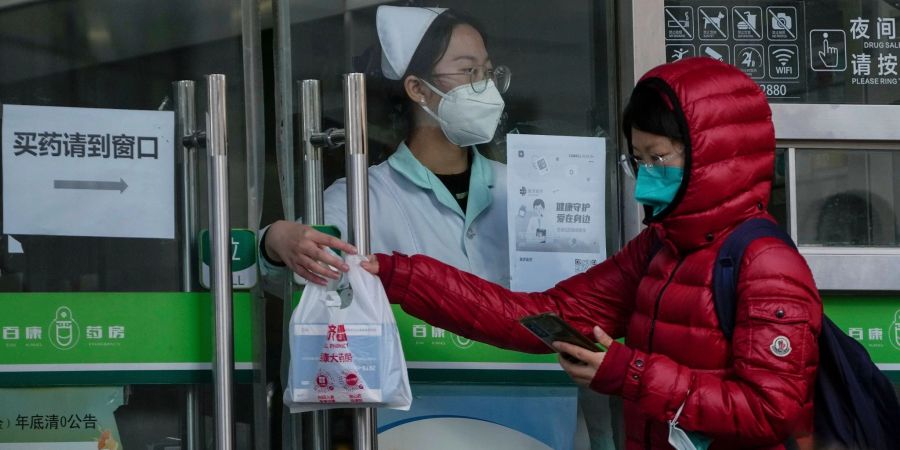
{"x": 397, "y": 106}
{"x": 434, "y": 43}
{"x": 648, "y": 111}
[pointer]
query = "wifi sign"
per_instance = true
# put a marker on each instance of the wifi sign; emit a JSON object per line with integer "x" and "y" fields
{"x": 784, "y": 62}
{"x": 783, "y": 56}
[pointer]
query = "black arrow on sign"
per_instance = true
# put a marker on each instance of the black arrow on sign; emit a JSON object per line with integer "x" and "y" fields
{"x": 91, "y": 185}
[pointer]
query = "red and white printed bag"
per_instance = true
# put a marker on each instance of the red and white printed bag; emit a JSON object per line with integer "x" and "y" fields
{"x": 345, "y": 347}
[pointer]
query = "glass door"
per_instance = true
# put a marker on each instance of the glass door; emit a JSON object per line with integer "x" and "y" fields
{"x": 106, "y": 342}
{"x": 559, "y": 82}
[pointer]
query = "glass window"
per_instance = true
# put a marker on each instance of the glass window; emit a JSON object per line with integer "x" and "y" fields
{"x": 120, "y": 55}
{"x": 560, "y": 75}
{"x": 847, "y": 197}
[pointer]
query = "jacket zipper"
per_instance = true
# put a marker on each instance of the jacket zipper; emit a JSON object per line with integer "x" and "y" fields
{"x": 647, "y": 428}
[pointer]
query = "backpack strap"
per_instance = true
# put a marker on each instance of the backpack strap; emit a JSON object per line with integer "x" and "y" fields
{"x": 726, "y": 270}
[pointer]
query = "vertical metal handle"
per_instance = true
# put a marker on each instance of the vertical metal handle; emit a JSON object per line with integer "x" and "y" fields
{"x": 310, "y": 102}
{"x": 186, "y": 125}
{"x": 220, "y": 244}
{"x": 357, "y": 151}
{"x": 311, "y": 121}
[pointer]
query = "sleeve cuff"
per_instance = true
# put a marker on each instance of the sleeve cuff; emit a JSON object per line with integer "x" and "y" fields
{"x": 262, "y": 250}
{"x": 385, "y": 269}
{"x": 610, "y": 376}
{"x": 394, "y": 272}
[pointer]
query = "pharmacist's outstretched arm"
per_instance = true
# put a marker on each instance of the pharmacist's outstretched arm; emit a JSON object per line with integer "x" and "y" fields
{"x": 303, "y": 249}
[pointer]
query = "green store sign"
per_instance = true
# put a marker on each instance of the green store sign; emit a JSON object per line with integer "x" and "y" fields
{"x": 874, "y": 322}
{"x": 163, "y": 337}
{"x": 98, "y": 337}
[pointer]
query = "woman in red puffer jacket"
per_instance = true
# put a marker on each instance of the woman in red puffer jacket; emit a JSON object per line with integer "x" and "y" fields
{"x": 702, "y": 136}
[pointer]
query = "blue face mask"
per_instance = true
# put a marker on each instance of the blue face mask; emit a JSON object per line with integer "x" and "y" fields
{"x": 657, "y": 187}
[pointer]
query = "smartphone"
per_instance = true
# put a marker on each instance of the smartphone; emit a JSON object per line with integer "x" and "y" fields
{"x": 549, "y": 328}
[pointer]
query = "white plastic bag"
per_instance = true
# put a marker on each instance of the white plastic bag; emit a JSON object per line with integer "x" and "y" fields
{"x": 345, "y": 348}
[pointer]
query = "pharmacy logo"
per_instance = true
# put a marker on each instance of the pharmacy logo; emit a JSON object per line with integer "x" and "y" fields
{"x": 894, "y": 335}
{"x": 462, "y": 342}
{"x": 64, "y": 330}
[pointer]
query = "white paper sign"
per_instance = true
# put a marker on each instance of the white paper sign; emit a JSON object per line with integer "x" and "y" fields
{"x": 88, "y": 172}
{"x": 557, "y": 212}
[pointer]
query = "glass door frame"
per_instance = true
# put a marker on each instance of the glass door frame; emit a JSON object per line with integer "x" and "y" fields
{"x": 641, "y": 48}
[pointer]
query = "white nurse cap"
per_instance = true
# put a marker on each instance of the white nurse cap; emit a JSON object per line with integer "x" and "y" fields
{"x": 400, "y": 29}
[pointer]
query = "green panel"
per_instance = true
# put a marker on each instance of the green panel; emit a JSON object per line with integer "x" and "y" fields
{"x": 874, "y": 321}
{"x": 243, "y": 252}
{"x": 243, "y": 249}
{"x": 486, "y": 376}
{"x": 425, "y": 343}
{"x": 115, "y": 329}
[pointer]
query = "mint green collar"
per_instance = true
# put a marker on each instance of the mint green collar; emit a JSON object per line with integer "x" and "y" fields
{"x": 480, "y": 182}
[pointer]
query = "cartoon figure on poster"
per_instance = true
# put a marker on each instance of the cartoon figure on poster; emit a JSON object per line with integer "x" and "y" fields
{"x": 537, "y": 226}
{"x": 563, "y": 227}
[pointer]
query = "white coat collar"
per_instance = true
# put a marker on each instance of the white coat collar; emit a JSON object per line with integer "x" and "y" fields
{"x": 480, "y": 182}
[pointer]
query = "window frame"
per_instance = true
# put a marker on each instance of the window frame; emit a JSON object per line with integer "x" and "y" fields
{"x": 862, "y": 128}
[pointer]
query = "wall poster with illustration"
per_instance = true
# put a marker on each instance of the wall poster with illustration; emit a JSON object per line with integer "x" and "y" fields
{"x": 556, "y": 207}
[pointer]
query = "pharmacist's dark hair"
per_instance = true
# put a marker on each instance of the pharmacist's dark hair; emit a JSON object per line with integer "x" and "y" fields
{"x": 435, "y": 41}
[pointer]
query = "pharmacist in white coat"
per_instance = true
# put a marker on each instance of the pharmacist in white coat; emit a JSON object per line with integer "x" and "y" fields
{"x": 436, "y": 195}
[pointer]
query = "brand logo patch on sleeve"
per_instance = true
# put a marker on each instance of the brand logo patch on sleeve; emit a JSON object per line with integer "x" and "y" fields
{"x": 781, "y": 346}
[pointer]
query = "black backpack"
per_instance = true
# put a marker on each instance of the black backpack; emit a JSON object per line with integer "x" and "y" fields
{"x": 855, "y": 404}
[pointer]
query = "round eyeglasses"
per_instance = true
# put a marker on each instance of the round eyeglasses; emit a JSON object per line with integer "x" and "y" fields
{"x": 656, "y": 166}
{"x": 479, "y": 76}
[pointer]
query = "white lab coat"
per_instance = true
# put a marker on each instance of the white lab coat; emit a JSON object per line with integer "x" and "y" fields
{"x": 412, "y": 212}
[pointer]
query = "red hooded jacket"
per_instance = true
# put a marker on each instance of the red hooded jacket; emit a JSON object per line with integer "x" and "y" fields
{"x": 741, "y": 393}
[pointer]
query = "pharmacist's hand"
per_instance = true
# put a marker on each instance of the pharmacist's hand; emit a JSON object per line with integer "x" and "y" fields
{"x": 583, "y": 372}
{"x": 303, "y": 249}
{"x": 370, "y": 264}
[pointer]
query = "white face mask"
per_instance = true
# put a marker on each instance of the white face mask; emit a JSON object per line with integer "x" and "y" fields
{"x": 686, "y": 440}
{"x": 468, "y": 117}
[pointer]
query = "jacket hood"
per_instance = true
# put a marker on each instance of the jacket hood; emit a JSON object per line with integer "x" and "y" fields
{"x": 729, "y": 149}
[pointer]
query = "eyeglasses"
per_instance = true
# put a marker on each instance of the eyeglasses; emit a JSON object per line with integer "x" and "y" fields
{"x": 656, "y": 166}
{"x": 479, "y": 76}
